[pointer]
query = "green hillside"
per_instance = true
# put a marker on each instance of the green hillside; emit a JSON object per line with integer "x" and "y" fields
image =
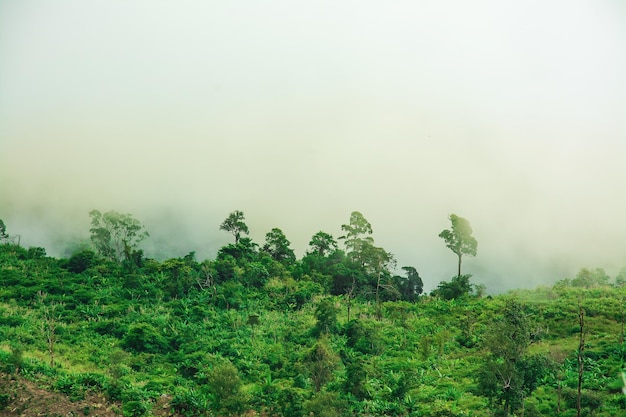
{"x": 256, "y": 331}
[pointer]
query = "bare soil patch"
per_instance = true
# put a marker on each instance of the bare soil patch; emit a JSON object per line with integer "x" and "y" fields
{"x": 20, "y": 397}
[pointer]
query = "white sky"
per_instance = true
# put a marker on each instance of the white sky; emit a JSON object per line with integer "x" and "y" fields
{"x": 508, "y": 113}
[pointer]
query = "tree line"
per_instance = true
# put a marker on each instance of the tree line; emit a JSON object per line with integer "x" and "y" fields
{"x": 336, "y": 332}
{"x": 360, "y": 269}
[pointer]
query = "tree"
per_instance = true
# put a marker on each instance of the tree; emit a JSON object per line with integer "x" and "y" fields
{"x": 51, "y": 316}
{"x": 459, "y": 238}
{"x": 235, "y": 224}
{"x": 456, "y": 288}
{"x": 225, "y": 386}
{"x": 277, "y": 245}
{"x": 580, "y": 357}
{"x": 326, "y": 404}
{"x": 326, "y": 315}
{"x": 116, "y": 236}
{"x": 3, "y": 232}
{"x": 322, "y": 244}
{"x": 378, "y": 262}
{"x": 620, "y": 278}
{"x": 590, "y": 278}
{"x": 509, "y": 374}
{"x": 411, "y": 286}
{"x": 356, "y": 237}
{"x": 321, "y": 362}
{"x": 81, "y": 261}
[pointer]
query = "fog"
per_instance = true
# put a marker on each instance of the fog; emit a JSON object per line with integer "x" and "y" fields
{"x": 510, "y": 114}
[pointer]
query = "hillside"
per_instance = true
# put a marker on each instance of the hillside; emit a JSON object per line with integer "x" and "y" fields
{"x": 257, "y": 333}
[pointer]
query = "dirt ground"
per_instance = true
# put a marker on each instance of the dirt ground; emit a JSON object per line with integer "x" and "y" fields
{"x": 26, "y": 399}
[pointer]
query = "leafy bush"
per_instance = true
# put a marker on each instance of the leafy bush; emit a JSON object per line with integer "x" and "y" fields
{"x": 225, "y": 386}
{"x": 143, "y": 337}
{"x": 5, "y": 400}
{"x": 134, "y": 409}
{"x": 189, "y": 402}
{"x": 326, "y": 404}
{"x": 81, "y": 261}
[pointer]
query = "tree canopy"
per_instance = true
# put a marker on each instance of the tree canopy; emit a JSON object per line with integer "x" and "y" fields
{"x": 256, "y": 330}
{"x": 459, "y": 238}
{"x": 235, "y": 224}
{"x": 3, "y": 231}
{"x": 277, "y": 245}
{"x": 114, "y": 235}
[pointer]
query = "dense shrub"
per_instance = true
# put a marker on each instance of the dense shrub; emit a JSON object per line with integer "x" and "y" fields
{"x": 143, "y": 337}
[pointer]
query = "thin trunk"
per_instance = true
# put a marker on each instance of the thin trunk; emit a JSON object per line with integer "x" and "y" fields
{"x": 621, "y": 339}
{"x": 51, "y": 327}
{"x": 459, "y": 274}
{"x": 379, "y": 312}
{"x": 350, "y": 296}
{"x": 507, "y": 407}
{"x": 581, "y": 348}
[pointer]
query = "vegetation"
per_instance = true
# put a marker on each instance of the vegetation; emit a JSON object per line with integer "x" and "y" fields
{"x": 338, "y": 332}
{"x": 459, "y": 239}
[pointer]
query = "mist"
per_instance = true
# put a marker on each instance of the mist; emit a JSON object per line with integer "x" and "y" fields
{"x": 510, "y": 115}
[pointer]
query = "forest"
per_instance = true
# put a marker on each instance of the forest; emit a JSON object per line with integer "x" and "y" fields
{"x": 341, "y": 331}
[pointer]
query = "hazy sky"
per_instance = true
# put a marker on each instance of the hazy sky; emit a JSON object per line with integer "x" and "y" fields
{"x": 508, "y": 113}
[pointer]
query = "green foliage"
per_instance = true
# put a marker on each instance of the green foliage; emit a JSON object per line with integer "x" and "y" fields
{"x": 77, "y": 385}
{"x": 459, "y": 238}
{"x": 224, "y": 385}
{"x": 143, "y": 337}
{"x": 509, "y": 374}
{"x": 322, "y": 244}
{"x": 321, "y": 362}
{"x": 356, "y": 237}
{"x": 277, "y": 245}
{"x": 458, "y": 287}
{"x": 363, "y": 336}
{"x": 410, "y": 286}
{"x": 356, "y": 375}
{"x": 81, "y": 261}
{"x": 590, "y": 278}
{"x": 5, "y": 400}
{"x": 235, "y": 224}
{"x": 189, "y": 402}
{"x": 3, "y": 232}
{"x": 249, "y": 332}
{"x": 15, "y": 359}
{"x": 326, "y": 315}
{"x": 114, "y": 235}
{"x": 134, "y": 409}
{"x": 326, "y": 404}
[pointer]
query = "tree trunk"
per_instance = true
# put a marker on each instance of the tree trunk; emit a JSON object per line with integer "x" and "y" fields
{"x": 459, "y": 274}
{"x": 379, "y": 313}
{"x": 507, "y": 407}
{"x": 581, "y": 348}
{"x": 350, "y": 296}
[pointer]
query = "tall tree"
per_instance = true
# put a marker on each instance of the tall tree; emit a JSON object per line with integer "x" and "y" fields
{"x": 277, "y": 245}
{"x": 509, "y": 373}
{"x": 235, "y": 224}
{"x": 459, "y": 238}
{"x": 357, "y": 238}
{"x": 379, "y": 262}
{"x": 116, "y": 235}
{"x": 321, "y": 362}
{"x": 410, "y": 286}
{"x": 580, "y": 357}
{"x": 322, "y": 244}
{"x": 3, "y": 231}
